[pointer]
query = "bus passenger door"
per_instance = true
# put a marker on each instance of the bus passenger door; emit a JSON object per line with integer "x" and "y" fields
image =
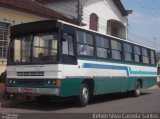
{"x": 69, "y": 55}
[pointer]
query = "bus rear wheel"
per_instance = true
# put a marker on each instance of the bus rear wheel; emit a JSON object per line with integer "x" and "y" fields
{"x": 137, "y": 91}
{"x": 83, "y": 97}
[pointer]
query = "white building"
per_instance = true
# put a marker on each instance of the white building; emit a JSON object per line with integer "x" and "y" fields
{"x": 105, "y": 16}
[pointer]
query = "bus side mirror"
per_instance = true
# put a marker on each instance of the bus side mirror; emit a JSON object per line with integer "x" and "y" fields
{"x": 64, "y": 36}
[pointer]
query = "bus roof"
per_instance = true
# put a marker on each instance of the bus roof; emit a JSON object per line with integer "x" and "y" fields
{"x": 26, "y": 27}
{"x": 103, "y": 34}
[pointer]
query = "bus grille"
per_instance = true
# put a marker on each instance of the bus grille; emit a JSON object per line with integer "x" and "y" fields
{"x": 30, "y": 73}
{"x": 29, "y": 82}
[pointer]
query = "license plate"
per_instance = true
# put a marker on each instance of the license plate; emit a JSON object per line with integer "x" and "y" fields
{"x": 28, "y": 90}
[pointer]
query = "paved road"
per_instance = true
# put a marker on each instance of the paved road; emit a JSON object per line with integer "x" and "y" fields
{"x": 116, "y": 103}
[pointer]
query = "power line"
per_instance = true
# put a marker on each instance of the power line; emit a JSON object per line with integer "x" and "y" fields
{"x": 147, "y": 8}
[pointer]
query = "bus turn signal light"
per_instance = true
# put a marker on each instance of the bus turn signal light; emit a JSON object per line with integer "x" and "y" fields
{"x": 58, "y": 82}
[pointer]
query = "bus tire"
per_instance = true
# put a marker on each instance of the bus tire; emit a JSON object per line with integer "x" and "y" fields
{"x": 137, "y": 91}
{"x": 83, "y": 97}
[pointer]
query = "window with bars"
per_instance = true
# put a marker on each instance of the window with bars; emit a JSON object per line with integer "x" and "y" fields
{"x": 4, "y": 36}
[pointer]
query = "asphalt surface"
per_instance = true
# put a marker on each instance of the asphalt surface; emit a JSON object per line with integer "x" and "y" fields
{"x": 148, "y": 102}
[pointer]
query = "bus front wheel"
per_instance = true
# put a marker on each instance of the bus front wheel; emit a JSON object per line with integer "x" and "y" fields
{"x": 83, "y": 97}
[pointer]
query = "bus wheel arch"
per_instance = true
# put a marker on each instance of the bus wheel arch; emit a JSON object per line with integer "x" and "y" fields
{"x": 90, "y": 83}
{"x": 140, "y": 80}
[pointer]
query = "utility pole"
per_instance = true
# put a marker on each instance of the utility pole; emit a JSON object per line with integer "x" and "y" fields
{"x": 79, "y": 12}
{"x": 154, "y": 42}
{"x": 127, "y": 29}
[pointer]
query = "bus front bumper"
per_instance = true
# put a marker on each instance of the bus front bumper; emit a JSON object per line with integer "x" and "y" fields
{"x": 33, "y": 91}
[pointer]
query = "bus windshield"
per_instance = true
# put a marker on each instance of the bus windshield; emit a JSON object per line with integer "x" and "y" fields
{"x": 38, "y": 48}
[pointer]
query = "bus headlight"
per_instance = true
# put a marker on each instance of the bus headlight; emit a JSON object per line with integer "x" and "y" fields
{"x": 10, "y": 81}
{"x": 54, "y": 82}
{"x": 14, "y": 82}
{"x": 51, "y": 82}
{"x": 48, "y": 82}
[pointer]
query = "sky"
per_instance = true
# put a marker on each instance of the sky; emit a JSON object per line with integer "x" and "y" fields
{"x": 144, "y": 22}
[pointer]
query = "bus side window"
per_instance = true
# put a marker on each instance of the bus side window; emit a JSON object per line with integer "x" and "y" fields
{"x": 116, "y": 50}
{"x": 128, "y": 52}
{"x": 137, "y": 54}
{"x": 83, "y": 50}
{"x": 102, "y": 47}
{"x": 85, "y": 44}
{"x": 145, "y": 56}
{"x": 68, "y": 46}
{"x": 152, "y": 57}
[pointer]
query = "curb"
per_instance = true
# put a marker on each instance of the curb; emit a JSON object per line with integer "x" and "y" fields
{"x": 8, "y": 104}
{"x": 154, "y": 87}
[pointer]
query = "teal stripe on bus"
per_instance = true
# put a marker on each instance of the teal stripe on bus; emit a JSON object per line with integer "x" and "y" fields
{"x": 142, "y": 72}
{"x": 113, "y": 67}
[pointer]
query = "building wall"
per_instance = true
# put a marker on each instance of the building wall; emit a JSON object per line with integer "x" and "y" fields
{"x": 14, "y": 17}
{"x": 104, "y": 9}
{"x": 18, "y": 17}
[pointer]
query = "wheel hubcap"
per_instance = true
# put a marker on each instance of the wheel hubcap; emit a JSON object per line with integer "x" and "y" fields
{"x": 85, "y": 94}
{"x": 138, "y": 90}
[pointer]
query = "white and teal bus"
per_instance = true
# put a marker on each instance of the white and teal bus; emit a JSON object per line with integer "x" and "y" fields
{"x": 57, "y": 59}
